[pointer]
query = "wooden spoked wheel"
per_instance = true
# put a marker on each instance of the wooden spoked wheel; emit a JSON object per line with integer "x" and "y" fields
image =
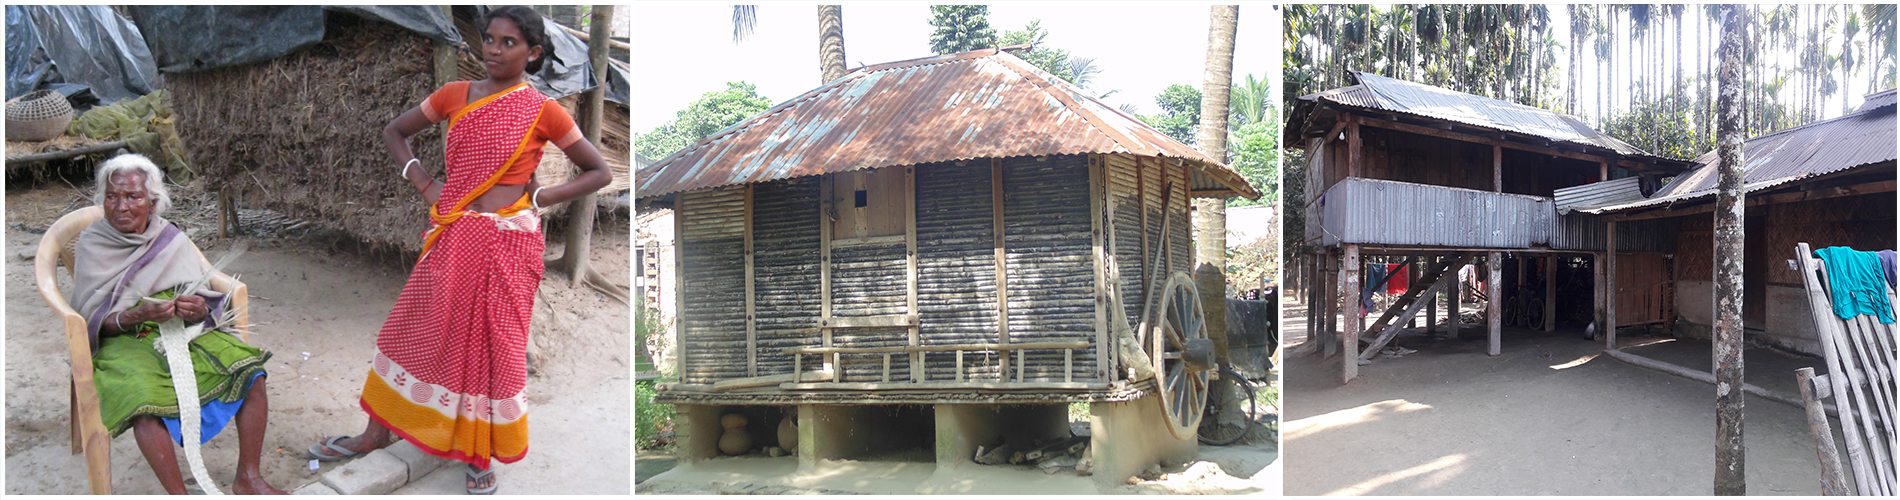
{"x": 1182, "y": 355}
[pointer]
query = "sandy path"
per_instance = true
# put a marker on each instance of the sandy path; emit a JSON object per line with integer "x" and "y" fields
{"x": 318, "y": 306}
{"x": 1548, "y": 417}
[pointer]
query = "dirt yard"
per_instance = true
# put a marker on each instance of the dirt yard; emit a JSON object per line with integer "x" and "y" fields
{"x": 1550, "y": 416}
{"x": 318, "y": 301}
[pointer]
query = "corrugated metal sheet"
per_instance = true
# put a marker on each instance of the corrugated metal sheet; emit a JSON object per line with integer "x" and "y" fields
{"x": 1373, "y": 211}
{"x": 1876, "y": 100}
{"x": 1578, "y": 231}
{"x": 1863, "y": 138}
{"x": 1388, "y": 94}
{"x": 980, "y": 104}
{"x": 1598, "y": 194}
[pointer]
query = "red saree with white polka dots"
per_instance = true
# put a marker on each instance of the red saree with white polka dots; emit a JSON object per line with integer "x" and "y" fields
{"x": 450, "y": 360}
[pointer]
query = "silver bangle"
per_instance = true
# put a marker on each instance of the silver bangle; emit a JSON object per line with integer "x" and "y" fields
{"x": 534, "y": 200}
{"x": 115, "y": 321}
{"x": 405, "y": 166}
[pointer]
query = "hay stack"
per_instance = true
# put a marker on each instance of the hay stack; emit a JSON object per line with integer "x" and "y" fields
{"x": 302, "y": 134}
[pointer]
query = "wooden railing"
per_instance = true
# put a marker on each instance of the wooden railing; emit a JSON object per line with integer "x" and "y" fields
{"x": 1068, "y": 358}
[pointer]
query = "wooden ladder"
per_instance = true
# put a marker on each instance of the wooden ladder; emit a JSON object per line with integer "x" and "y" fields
{"x": 1388, "y": 324}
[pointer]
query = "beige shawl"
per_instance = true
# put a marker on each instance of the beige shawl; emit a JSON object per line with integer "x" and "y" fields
{"x": 103, "y": 256}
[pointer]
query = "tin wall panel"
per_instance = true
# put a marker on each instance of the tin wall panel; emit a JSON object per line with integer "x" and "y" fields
{"x": 1369, "y": 211}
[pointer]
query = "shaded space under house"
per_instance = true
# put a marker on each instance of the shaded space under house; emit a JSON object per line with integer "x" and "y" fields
{"x": 932, "y": 255}
{"x": 1430, "y": 180}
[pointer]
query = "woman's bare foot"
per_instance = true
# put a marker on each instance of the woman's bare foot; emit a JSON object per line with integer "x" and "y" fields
{"x": 254, "y": 486}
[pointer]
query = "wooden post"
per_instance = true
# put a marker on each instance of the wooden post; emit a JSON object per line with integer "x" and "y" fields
{"x": 1494, "y": 303}
{"x": 1431, "y": 304}
{"x": 1325, "y": 303}
{"x": 1349, "y": 331}
{"x": 826, "y": 207}
{"x": 1353, "y": 155}
{"x": 751, "y": 317}
{"x": 1497, "y": 171}
{"x": 679, "y": 285}
{"x": 1002, "y": 281}
{"x": 1603, "y": 171}
{"x": 910, "y": 276}
{"x": 1455, "y": 297}
{"x": 1833, "y": 478}
{"x": 1550, "y": 293}
{"x": 1597, "y": 303}
{"x": 1102, "y": 236}
{"x": 1609, "y": 288}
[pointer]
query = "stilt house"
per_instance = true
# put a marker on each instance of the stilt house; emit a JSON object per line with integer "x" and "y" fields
{"x": 935, "y": 239}
{"x": 1436, "y": 179}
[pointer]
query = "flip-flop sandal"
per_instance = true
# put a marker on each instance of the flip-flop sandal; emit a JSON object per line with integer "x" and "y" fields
{"x": 335, "y": 451}
{"x": 476, "y": 476}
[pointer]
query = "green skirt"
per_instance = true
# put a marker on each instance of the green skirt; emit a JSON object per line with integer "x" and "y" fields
{"x": 133, "y": 378}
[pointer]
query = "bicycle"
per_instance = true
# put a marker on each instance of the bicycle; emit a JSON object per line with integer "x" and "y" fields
{"x": 1211, "y": 431}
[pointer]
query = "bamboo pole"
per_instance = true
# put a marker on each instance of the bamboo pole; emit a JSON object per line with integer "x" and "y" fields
{"x": 1838, "y": 376}
{"x": 1833, "y": 478}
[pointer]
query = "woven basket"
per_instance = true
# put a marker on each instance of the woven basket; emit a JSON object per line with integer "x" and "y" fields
{"x": 39, "y": 116}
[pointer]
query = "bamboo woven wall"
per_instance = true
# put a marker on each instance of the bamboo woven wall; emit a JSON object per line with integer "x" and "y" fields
{"x": 785, "y": 268}
{"x": 956, "y": 263}
{"x": 1050, "y": 273}
{"x": 712, "y": 316}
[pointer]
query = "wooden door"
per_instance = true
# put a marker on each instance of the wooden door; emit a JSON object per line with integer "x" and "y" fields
{"x": 1641, "y": 285}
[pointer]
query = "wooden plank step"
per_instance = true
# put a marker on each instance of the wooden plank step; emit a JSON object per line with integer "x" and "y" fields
{"x": 1431, "y": 277}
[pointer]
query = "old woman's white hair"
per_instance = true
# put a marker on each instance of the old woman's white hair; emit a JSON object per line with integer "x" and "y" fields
{"x": 154, "y": 180}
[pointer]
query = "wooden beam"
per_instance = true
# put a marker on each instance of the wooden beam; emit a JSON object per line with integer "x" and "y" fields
{"x": 1213, "y": 193}
{"x": 679, "y": 287}
{"x": 1494, "y": 302}
{"x": 1431, "y": 298}
{"x": 751, "y": 316}
{"x": 1392, "y": 329}
{"x": 885, "y": 321}
{"x": 14, "y": 161}
{"x": 1002, "y": 267}
{"x": 870, "y": 241}
{"x": 910, "y": 275}
{"x": 1489, "y": 141}
{"x": 952, "y": 386}
{"x": 1020, "y": 346}
{"x": 1102, "y": 234}
{"x": 1350, "y": 329}
{"x": 766, "y": 380}
{"x": 1886, "y": 186}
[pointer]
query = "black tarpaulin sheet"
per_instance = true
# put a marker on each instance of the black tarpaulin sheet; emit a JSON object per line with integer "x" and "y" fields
{"x": 77, "y": 44}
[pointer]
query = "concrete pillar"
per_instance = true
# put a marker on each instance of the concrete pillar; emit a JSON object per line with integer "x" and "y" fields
{"x": 1352, "y": 315}
{"x": 1128, "y": 437}
{"x": 961, "y": 428}
{"x": 1494, "y": 294}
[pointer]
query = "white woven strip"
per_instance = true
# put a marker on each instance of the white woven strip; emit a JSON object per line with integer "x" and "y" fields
{"x": 174, "y": 339}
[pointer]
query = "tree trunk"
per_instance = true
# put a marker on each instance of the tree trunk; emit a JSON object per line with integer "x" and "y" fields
{"x": 1210, "y": 217}
{"x": 1730, "y": 452}
{"x": 580, "y": 213}
{"x": 831, "y": 42}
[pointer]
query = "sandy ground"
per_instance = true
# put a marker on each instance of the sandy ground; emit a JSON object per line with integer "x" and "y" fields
{"x": 1235, "y": 470}
{"x": 1549, "y": 416}
{"x": 318, "y": 303}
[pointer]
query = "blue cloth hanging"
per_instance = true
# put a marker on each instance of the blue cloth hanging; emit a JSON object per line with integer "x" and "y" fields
{"x": 1858, "y": 284}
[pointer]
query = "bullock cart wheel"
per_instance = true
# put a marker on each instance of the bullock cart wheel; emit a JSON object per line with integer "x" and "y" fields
{"x": 1183, "y": 356}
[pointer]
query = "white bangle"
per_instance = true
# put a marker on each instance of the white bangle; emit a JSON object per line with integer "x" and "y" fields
{"x": 405, "y": 166}
{"x": 534, "y": 200}
{"x": 115, "y": 322}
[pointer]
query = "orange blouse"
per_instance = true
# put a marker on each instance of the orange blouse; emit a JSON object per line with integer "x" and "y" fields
{"x": 554, "y": 126}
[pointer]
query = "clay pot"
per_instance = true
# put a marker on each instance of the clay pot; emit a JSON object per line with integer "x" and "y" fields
{"x": 788, "y": 434}
{"x": 735, "y": 441}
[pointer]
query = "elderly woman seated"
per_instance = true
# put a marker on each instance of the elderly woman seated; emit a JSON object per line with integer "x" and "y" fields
{"x": 128, "y": 269}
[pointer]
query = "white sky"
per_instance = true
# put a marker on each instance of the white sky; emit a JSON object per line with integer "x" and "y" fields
{"x": 683, "y": 50}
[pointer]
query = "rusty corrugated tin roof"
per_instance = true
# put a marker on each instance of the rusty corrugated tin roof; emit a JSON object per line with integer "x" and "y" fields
{"x": 1380, "y": 93}
{"x": 979, "y": 104}
{"x": 1864, "y": 137}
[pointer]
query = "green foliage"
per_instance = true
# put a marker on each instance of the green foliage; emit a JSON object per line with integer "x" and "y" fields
{"x": 652, "y": 422}
{"x": 1254, "y": 151}
{"x": 1180, "y": 113}
{"x": 960, "y": 28}
{"x": 713, "y": 112}
{"x": 645, "y": 323}
{"x": 1053, "y": 60}
{"x": 1293, "y": 212}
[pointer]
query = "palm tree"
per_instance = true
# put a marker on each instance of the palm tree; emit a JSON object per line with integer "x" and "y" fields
{"x": 1210, "y": 225}
{"x": 744, "y": 18}
{"x": 831, "y": 42}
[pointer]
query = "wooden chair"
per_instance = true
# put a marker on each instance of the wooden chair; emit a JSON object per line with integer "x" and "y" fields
{"x": 89, "y": 431}
{"x": 1860, "y": 377}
